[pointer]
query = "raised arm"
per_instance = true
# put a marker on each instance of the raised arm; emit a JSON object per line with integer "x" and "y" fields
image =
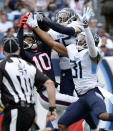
{"x": 32, "y": 22}
{"x": 60, "y": 28}
{"x": 20, "y": 34}
{"x": 20, "y": 37}
{"x": 91, "y": 43}
{"x": 49, "y": 41}
{"x": 89, "y": 37}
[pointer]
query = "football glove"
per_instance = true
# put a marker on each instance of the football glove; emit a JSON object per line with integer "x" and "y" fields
{"x": 23, "y": 20}
{"x": 87, "y": 13}
{"x": 32, "y": 20}
{"x": 40, "y": 16}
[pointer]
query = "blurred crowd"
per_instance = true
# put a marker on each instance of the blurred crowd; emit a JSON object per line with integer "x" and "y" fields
{"x": 12, "y": 10}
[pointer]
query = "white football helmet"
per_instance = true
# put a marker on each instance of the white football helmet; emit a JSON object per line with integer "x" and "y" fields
{"x": 65, "y": 16}
{"x": 81, "y": 41}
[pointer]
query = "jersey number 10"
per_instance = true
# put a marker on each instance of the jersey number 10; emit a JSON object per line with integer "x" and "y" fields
{"x": 42, "y": 62}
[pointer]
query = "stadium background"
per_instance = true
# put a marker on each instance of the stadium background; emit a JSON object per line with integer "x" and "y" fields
{"x": 102, "y": 23}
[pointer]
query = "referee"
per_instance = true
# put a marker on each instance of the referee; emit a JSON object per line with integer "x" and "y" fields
{"x": 17, "y": 80}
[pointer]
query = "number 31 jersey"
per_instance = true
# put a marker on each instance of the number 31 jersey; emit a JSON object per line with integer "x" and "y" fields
{"x": 83, "y": 69}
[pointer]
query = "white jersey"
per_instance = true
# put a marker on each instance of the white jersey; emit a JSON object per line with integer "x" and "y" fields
{"x": 65, "y": 40}
{"x": 83, "y": 69}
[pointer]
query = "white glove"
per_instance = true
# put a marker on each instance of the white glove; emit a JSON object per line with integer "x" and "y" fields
{"x": 87, "y": 13}
{"x": 40, "y": 16}
{"x": 32, "y": 20}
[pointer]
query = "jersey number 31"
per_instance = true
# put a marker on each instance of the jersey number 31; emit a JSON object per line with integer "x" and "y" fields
{"x": 77, "y": 70}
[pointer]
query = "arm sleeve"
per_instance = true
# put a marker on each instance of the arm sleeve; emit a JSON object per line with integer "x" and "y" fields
{"x": 20, "y": 36}
{"x": 91, "y": 43}
{"x": 40, "y": 79}
{"x": 59, "y": 28}
{"x": 21, "y": 39}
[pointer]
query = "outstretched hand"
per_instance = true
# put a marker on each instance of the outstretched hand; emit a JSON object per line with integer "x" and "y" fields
{"x": 40, "y": 16}
{"x": 23, "y": 20}
{"x": 87, "y": 13}
{"x": 32, "y": 20}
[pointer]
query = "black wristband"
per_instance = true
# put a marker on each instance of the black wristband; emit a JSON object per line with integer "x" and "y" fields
{"x": 52, "y": 108}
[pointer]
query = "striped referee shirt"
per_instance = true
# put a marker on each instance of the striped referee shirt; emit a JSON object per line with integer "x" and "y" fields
{"x": 17, "y": 80}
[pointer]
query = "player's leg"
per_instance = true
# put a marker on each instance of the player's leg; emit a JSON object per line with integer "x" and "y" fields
{"x": 95, "y": 98}
{"x": 106, "y": 116}
{"x": 92, "y": 120}
{"x": 103, "y": 114}
{"x": 74, "y": 113}
{"x": 62, "y": 102}
{"x": 35, "y": 123}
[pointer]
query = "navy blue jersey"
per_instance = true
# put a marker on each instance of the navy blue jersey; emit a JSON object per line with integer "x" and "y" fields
{"x": 41, "y": 57}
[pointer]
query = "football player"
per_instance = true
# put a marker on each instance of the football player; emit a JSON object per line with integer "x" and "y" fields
{"x": 64, "y": 17}
{"x": 84, "y": 63}
{"x": 66, "y": 26}
{"x": 36, "y": 52}
{"x": 69, "y": 26}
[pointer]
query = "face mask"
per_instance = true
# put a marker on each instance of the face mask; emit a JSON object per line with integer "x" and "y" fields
{"x": 30, "y": 45}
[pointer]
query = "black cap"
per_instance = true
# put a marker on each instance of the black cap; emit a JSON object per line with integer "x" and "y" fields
{"x": 10, "y": 44}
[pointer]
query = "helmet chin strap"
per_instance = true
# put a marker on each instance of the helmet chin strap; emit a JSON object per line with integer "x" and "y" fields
{"x": 34, "y": 46}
